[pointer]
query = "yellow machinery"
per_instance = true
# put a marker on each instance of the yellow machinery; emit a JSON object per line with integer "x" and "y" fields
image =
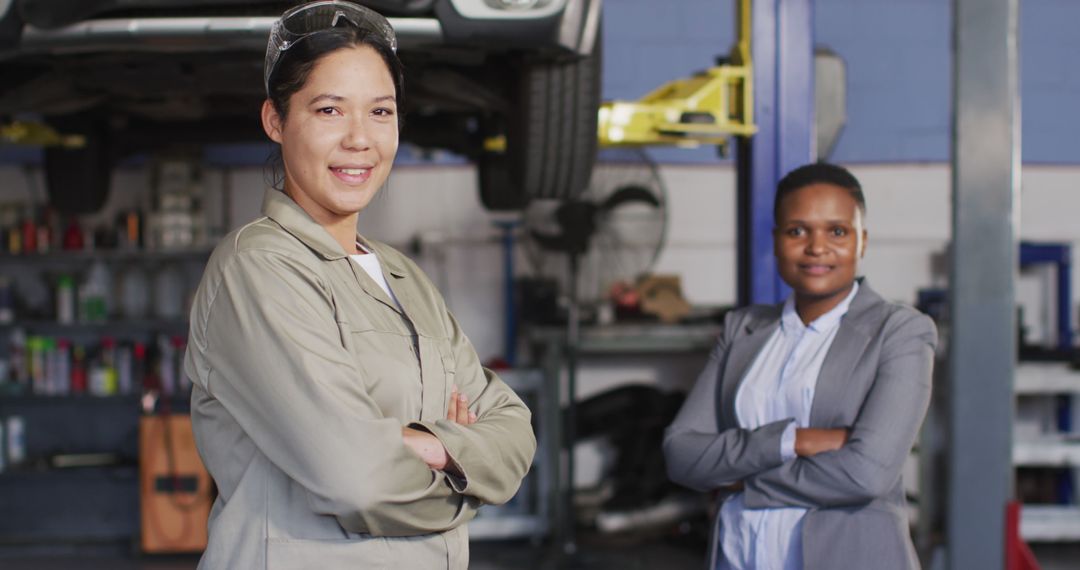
{"x": 37, "y": 134}
{"x": 706, "y": 108}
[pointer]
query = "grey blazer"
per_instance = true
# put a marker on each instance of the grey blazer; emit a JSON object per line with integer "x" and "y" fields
{"x": 875, "y": 380}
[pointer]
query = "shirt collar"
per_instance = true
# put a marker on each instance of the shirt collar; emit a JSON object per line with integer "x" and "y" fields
{"x": 790, "y": 320}
{"x": 292, "y": 218}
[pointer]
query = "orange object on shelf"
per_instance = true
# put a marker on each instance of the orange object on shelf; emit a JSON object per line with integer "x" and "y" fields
{"x": 661, "y": 295}
{"x": 174, "y": 488}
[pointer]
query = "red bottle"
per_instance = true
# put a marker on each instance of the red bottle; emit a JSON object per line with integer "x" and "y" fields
{"x": 78, "y": 371}
{"x": 73, "y": 235}
{"x": 139, "y": 374}
{"x": 29, "y": 236}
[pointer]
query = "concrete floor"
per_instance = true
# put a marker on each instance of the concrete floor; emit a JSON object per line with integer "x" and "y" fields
{"x": 596, "y": 553}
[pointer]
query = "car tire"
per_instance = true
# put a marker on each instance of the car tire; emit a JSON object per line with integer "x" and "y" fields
{"x": 78, "y": 179}
{"x": 550, "y": 136}
{"x": 10, "y": 25}
{"x": 496, "y": 186}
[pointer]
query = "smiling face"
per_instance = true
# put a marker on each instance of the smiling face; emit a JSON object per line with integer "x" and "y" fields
{"x": 340, "y": 136}
{"x": 818, "y": 241}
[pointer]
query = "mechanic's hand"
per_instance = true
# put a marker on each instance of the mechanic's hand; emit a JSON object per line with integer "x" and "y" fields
{"x": 459, "y": 409}
{"x": 427, "y": 446}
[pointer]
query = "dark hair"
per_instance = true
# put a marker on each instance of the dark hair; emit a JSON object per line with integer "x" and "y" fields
{"x": 295, "y": 66}
{"x": 818, "y": 173}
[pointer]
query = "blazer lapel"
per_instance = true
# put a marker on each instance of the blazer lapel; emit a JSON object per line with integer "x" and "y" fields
{"x": 848, "y": 346}
{"x": 744, "y": 349}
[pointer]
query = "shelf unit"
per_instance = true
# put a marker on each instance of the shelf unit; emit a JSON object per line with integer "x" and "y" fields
{"x": 528, "y": 514}
{"x": 1050, "y": 523}
{"x": 58, "y": 505}
{"x": 549, "y": 350}
{"x": 1045, "y": 436}
{"x": 69, "y": 505}
{"x": 119, "y": 328}
{"x": 107, "y": 255}
{"x": 42, "y": 503}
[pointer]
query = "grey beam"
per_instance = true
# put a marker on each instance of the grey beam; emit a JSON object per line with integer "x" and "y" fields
{"x": 985, "y": 175}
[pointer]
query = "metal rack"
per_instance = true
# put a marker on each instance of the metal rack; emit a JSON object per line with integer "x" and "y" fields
{"x": 528, "y": 514}
{"x": 549, "y": 350}
{"x": 42, "y": 500}
{"x": 1054, "y": 443}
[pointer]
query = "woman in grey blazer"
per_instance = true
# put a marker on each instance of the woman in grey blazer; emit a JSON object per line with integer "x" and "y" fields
{"x": 806, "y": 411}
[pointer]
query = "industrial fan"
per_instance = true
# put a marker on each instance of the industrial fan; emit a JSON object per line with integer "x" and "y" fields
{"x": 613, "y": 232}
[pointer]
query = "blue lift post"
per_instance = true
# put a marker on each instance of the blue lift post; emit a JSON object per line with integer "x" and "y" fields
{"x": 510, "y": 326}
{"x": 782, "y": 51}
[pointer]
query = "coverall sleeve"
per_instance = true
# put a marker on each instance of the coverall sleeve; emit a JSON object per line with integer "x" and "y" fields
{"x": 274, "y": 359}
{"x": 495, "y": 453}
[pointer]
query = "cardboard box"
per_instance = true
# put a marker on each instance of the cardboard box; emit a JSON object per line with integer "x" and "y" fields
{"x": 175, "y": 490}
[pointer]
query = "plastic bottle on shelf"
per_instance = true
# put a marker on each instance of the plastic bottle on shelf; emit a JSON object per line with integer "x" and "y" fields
{"x": 73, "y": 235}
{"x": 108, "y": 361}
{"x": 35, "y": 350}
{"x": 29, "y": 235}
{"x": 49, "y": 368}
{"x": 124, "y": 372}
{"x": 63, "y": 367}
{"x": 13, "y": 237}
{"x": 7, "y": 301}
{"x": 102, "y": 373}
{"x": 16, "y": 440}
{"x": 95, "y": 375}
{"x": 65, "y": 300}
{"x": 138, "y": 366}
{"x": 78, "y": 370}
{"x": 169, "y": 293}
{"x": 94, "y": 294}
{"x": 134, "y": 293}
{"x": 44, "y": 232}
{"x": 129, "y": 230}
{"x": 19, "y": 363}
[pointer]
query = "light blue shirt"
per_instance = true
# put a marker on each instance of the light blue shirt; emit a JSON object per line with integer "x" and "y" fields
{"x": 779, "y": 385}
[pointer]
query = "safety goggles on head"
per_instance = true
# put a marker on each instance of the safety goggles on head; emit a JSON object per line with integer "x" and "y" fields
{"x": 312, "y": 18}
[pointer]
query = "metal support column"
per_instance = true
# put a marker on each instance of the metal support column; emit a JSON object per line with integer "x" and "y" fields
{"x": 782, "y": 50}
{"x": 985, "y": 170}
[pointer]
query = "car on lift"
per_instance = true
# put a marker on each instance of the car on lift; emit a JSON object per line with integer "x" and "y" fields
{"x": 513, "y": 85}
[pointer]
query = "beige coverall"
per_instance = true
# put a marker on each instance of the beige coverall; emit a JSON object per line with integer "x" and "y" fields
{"x": 304, "y": 372}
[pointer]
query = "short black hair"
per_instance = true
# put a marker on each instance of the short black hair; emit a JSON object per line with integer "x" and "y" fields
{"x": 818, "y": 173}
